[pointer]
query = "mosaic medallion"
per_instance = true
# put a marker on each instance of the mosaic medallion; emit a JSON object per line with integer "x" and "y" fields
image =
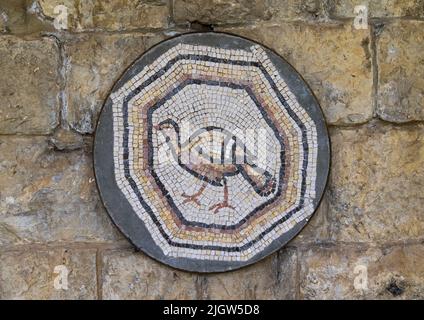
{"x": 211, "y": 152}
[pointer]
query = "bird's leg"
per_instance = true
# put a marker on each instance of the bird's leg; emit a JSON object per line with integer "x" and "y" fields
{"x": 194, "y": 197}
{"x": 223, "y": 204}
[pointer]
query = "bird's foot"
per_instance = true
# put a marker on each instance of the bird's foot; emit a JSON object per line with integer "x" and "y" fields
{"x": 191, "y": 198}
{"x": 221, "y": 205}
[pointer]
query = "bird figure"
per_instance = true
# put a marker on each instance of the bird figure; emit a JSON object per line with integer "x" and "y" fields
{"x": 213, "y": 166}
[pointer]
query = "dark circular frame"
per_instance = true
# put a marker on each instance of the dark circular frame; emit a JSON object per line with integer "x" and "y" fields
{"x": 118, "y": 207}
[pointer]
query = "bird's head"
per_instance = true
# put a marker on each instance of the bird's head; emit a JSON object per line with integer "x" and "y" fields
{"x": 168, "y": 130}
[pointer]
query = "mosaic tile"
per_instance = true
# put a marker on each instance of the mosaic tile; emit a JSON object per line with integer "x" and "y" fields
{"x": 211, "y": 152}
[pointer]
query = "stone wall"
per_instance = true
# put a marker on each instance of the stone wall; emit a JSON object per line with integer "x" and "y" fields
{"x": 370, "y": 84}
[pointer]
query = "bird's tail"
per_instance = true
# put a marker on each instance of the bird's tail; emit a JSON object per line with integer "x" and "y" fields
{"x": 261, "y": 180}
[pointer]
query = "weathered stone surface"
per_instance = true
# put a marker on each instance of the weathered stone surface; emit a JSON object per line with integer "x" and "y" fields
{"x": 29, "y": 85}
{"x": 400, "y": 56}
{"x": 298, "y": 10}
{"x": 272, "y": 278}
{"x": 220, "y": 11}
{"x": 18, "y": 17}
{"x": 133, "y": 275}
{"x": 110, "y": 15}
{"x": 49, "y": 196}
{"x": 378, "y": 9}
{"x": 94, "y": 64}
{"x": 30, "y": 274}
{"x": 66, "y": 140}
{"x": 3, "y": 25}
{"x": 334, "y": 59}
{"x": 375, "y": 189}
{"x": 395, "y": 272}
{"x": 317, "y": 229}
{"x": 12, "y": 15}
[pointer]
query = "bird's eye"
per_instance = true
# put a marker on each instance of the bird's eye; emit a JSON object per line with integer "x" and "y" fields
{"x": 167, "y": 139}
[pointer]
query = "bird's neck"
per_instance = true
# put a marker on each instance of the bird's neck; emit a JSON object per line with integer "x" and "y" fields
{"x": 175, "y": 145}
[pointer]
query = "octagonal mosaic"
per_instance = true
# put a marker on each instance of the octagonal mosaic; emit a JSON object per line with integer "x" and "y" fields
{"x": 211, "y": 152}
